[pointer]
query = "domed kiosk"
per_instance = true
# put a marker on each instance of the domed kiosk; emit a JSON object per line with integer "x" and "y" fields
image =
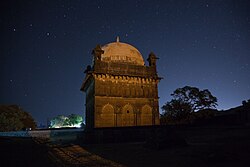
{"x": 120, "y": 89}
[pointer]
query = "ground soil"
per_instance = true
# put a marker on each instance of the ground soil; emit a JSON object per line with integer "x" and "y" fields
{"x": 213, "y": 146}
{"x": 23, "y": 152}
{"x": 206, "y": 146}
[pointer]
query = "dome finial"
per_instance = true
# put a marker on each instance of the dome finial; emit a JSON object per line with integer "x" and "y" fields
{"x": 117, "y": 39}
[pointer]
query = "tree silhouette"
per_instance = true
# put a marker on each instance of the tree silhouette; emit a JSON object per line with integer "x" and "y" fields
{"x": 185, "y": 101}
{"x": 13, "y": 118}
{"x": 246, "y": 103}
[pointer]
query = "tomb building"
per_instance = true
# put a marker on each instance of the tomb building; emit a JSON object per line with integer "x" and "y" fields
{"x": 120, "y": 89}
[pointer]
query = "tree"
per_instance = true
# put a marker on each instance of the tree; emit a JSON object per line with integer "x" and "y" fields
{"x": 75, "y": 119}
{"x": 246, "y": 102}
{"x": 175, "y": 111}
{"x": 58, "y": 121}
{"x": 185, "y": 101}
{"x": 197, "y": 99}
{"x": 61, "y": 121}
{"x": 14, "y": 118}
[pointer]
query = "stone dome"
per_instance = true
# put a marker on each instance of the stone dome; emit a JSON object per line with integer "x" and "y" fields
{"x": 122, "y": 53}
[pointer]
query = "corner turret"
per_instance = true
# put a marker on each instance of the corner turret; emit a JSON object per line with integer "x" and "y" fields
{"x": 152, "y": 59}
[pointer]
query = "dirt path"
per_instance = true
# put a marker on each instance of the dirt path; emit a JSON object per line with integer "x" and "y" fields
{"x": 74, "y": 155}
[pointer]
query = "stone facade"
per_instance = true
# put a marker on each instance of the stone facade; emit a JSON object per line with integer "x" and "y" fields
{"x": 120, "y": 89}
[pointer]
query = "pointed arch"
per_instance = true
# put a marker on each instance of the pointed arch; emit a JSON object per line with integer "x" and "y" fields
{"x": 107, "y": 116}
{"x": 128, "y": 116}
{"x": 127, "y": 108}
{"x": 146, "y": 115}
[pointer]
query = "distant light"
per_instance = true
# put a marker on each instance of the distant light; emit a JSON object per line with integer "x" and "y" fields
{"x": 62, "y": 122}
{"x": 68, "y": 126}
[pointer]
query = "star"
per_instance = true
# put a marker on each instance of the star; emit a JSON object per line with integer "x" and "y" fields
{"x": 188, "y": 38}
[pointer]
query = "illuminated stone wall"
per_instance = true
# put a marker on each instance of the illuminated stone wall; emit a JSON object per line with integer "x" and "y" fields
{"x": 121, "y": 94}
{"x": 125, "y": 101}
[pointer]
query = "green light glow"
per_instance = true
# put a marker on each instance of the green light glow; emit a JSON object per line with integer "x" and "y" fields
{"x": 63, "y": 122}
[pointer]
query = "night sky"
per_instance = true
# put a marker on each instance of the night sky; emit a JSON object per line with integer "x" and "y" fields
{"x": 46, "y": 46}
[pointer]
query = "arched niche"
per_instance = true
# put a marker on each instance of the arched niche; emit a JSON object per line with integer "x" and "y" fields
{"x": 107, "y": 116}
{"x": 146, "y": 115}
{"x": 128, "y": 116}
